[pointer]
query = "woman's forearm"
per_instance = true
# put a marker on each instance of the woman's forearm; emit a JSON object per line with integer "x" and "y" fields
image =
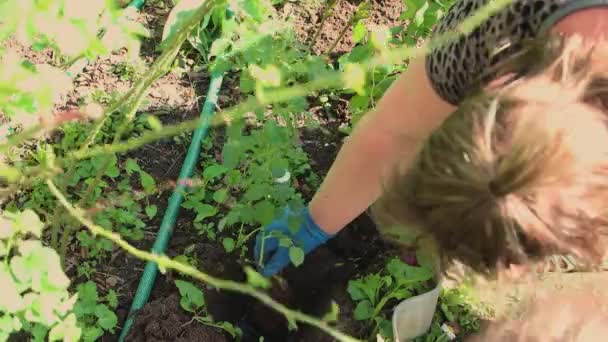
{"x": 405, "y": 115}
{"x": 355, "y": 179}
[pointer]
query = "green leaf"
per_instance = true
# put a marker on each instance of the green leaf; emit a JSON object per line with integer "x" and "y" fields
{"x": 246, "y": 82}
{"x": 255, "y": 192}
{"x": 151, "y": 210}
{"x": 231, "y": 153}
{"x": 192, "y": 298}
{"x": 219, "y": 46}
{"x": 419, "y": 17}
{"x": 220, "y": 196}
{"x": 230, "y": 329}
{"x": 255, "y": 279}
{"x": 204, "y": 211}
{"x": 386, "y": 327}
{"x": 264, "y": 212}
{"x": 255, "y": 9}
{"x": 213, "y": 171}
{"x": 355, "y": 291}
{"x": 106, "y": 319}
{"x": 359, "y": 32}
{"x": 181, "y": 13}
{"x": 91, "y": 333}
{"x": 131, "y": 166}
{"x": 112, "y": 298}
{"x": 229, "y": 244}
{"x": 294, "y": 223}
{"x": 296, "y": 255}
{"x": 364, "y": 310}
{"x": 88, "y": 292}
{"x": 411, "y": 7}
{"x": 147, "y": 182}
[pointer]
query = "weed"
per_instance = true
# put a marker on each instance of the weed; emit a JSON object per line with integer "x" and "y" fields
{"x": 193, "y": 301}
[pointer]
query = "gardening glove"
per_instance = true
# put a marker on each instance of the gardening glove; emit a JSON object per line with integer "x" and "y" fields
{"x": 308, "y": 236}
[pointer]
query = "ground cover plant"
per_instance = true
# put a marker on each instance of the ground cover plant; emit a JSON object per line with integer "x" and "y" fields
{"x": 98, "y": 103}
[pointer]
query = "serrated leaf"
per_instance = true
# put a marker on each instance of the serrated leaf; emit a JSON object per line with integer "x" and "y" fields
{"x": 264, "y": 212}
{"x": 112, "y": 298}
{"x": 87, "y": 292}
{"x": 255, "y": 192}
{"x": 106, "y": 319}
{"x": 296, "y": 255}
{"x": 151, "y": 211}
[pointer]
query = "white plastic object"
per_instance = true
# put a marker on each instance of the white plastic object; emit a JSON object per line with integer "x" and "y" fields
{"x": 284, "y": 178}
{"x": 413, "y": 316}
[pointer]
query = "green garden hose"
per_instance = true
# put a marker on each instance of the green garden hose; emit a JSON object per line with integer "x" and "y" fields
{"x": 175, "y": 201}
{"x": 137, "y": 4}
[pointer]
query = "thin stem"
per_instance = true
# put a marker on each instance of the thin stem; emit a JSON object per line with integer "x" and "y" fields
{"x": 326, "y": 13}
{"x": 339, "y": 39}
{"x": 166, "y": 263}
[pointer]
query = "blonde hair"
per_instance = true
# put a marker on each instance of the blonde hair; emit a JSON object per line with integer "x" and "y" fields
{"x": 520, "y": 170}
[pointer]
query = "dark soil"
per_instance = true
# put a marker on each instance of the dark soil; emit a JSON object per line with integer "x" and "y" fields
{"x": 163, "y": 320}
{"x": 307, "y": 17}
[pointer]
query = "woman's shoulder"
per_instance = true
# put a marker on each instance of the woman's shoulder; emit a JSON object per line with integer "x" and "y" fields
{"x": 457, "y": 68}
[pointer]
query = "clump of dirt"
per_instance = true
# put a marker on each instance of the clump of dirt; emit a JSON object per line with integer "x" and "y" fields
{"x": 307, "y": 18}
{"x": 164, "y": 320}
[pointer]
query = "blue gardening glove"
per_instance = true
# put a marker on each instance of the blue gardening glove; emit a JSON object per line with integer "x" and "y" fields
{"x": 275, "y": 257}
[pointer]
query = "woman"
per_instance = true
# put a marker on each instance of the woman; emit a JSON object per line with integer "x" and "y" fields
{"x": 510, "y": 209}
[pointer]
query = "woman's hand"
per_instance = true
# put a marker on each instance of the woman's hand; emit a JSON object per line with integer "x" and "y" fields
{"x": 297, "y": 226}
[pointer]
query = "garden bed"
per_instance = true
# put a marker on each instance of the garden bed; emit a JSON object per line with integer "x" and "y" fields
{"x": 311, "y": 287}
{"x": 325, "y": 274}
